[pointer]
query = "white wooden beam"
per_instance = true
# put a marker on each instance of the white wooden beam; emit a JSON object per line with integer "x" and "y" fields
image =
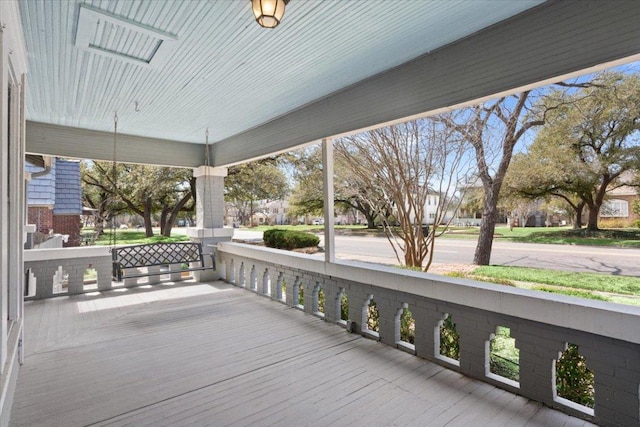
{"x": 56, "y": 140}
{"x": 557, "y": 38}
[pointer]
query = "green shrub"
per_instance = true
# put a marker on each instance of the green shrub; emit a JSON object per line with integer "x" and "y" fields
{"x": 289, "y": 239}
{"x": 504, "y": 356}
{"x": 614, "y": 223}
{"x": 321, "y": 300}
{"x": 449, "y": 339}
{"x": 574, "y": 381}
{"x": 344, "y": 307}
{"x": 407, "y": 327}
{"x": 373, "y": 317}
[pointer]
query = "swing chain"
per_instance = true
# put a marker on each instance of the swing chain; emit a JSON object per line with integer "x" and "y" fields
{"x": 114, "y": 179}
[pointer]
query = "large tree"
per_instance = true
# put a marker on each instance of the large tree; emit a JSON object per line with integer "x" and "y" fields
{"x": 349, "y": 192}
{"x": 250, "y": 182}
{"x": 98, "y": 194}
{"x": 585, "y": 146}
{"x": 494, "y": 129}
{"x": 143, "y": 190}
{"x": 535, "y": 176}
{"x": 404, "y": 169}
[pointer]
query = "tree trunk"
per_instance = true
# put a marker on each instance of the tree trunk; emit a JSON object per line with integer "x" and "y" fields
{"x": 592, "y": 221}
{"x": 371, "y": 221}
{"x": 163, "y": 222}
{"x": 173, "y": 215}
{"x": 147, "y": 218}
{"x": 577, "y": 224}
{"x": 482, "y": 255}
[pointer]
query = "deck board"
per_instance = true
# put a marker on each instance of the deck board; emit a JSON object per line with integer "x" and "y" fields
{"x": 213, "y": 354}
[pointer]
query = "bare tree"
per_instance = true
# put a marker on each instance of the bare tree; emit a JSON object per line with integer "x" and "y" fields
{"x": 411, "y": 173}
{"x": 493, "y": 129}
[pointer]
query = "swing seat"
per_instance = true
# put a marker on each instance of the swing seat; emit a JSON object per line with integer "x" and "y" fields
{"x": 158, "y": 254}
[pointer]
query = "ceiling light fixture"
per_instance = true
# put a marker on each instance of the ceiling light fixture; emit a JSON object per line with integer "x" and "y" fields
{"x": 268, "y": 13}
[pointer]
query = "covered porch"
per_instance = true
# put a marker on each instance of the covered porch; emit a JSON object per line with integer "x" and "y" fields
{"x": 215, "y": 354}
{"x": 208, "y": 352}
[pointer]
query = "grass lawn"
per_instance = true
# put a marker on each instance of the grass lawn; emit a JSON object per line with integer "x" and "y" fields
{"x": 319, "y": 228}
{"x": 621, "y": 289}
{"x": 133, "y": 237}
{"x": 605, "y": 287}
{"x": 625, "y": 238}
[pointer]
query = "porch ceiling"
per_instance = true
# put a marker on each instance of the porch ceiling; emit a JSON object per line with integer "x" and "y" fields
{"x": 173, "y": 68}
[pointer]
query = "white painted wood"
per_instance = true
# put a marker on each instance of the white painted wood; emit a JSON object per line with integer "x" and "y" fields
{"x": 13, "y": 66}
{"x": 327, "y": 188}
{"x": 98, "y": 145}
{"x": 553, "y": 41}
{"x": 227, "y": 73}
{"x": 214, "y": 354}
{"x": 257, "y": 114}
{"x": 90, "y": 19}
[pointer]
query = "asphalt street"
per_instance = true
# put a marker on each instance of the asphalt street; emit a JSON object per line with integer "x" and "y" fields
{"x": 560, "y": 257}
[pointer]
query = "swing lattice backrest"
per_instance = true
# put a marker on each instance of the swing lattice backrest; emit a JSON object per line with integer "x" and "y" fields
{"x": 158, "y": 254}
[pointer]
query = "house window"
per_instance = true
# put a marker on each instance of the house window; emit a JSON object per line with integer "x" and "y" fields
{"x": 615, "y": 208}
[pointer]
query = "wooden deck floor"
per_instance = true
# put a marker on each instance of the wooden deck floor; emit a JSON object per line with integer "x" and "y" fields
{"x": 213, "y": 354}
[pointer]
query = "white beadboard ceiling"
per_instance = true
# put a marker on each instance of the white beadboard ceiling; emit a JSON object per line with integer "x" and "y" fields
{"x": 172, "y": 68}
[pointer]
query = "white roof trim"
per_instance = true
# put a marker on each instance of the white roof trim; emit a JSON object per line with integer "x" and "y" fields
{"x": 12, "y": 32}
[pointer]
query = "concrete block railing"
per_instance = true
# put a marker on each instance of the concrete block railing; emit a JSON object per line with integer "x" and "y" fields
{"x": 608, "y": 335}
{"x": 54, "y": 272}
{"x": 47, "y": 269}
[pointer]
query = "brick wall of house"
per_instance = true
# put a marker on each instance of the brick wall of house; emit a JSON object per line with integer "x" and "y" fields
{"x": 68, "y": 224}
{"x": 42, "y": 217}
{"x": 630, "y": 199}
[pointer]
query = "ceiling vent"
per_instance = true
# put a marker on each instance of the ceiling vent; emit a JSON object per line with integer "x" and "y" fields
{"x": 105, "y": 34}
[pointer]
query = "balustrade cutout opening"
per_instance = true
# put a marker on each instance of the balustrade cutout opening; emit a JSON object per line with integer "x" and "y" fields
{"x": 407, "y": 325}
{"x": 343, "y": 305}
{"x": 573, "y": 381}
{"x": 266, "y": 282}
{"x": 447, "y": 341}
{"x": 60, "y": 281}
{"x": 242, "y": 279}
{"x": 90, "y": 279}
{"x": 298, "y": 295}
{"x": 281, "y": 288}
{"x": 370, "y": 317}
{"x": 253, "y": 279}
{"x": 318, "y": 300}
{"x": 503, "y": 357}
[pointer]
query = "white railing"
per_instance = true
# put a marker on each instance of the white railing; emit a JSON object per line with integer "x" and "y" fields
{"x": 608, "y": 335}
{"x": 70, "y": 271}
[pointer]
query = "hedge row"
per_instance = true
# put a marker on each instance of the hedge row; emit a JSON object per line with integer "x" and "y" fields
{"x": 289, "y": 239}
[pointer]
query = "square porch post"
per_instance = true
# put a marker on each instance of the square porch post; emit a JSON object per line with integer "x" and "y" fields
{"x": 327, "y": 178}
{"x": 209, "y": 228}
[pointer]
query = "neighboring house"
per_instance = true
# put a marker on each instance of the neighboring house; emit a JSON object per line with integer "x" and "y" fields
{"x": 432, "y": 207}
{"x": 260, "y": 218}
{"x": 271, "y": 212}
{"x": 619, "y": 203}
{"x": 54, "y": 200}
{"x": 278, "y": 212}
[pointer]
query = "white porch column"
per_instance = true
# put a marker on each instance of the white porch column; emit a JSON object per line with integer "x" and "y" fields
{"x": 327, "y": 179}
{"x": 209, "y": 216}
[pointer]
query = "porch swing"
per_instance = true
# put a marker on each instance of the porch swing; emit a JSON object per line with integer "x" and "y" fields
{"x": 127, "y": 260}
